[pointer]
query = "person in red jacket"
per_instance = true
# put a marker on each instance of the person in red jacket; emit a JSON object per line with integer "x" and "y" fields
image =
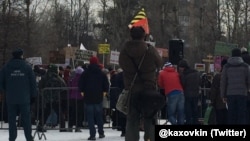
{"x": 169, "y": 80}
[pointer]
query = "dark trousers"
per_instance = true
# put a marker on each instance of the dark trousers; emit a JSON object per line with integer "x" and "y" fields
{"x": 221, "y": 116}
{"x": 122, "y": 121}
{"x": 13, "y": 110}
{"x": 133, "y": 122}
{"x": 76, "y": 112}
{"x": 237, "y": 109}
{"x": 248, "y": 111}
{"x": 191, "y": 110}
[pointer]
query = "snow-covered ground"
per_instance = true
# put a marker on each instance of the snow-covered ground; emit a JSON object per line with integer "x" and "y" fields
{"x": 55, "y": 135}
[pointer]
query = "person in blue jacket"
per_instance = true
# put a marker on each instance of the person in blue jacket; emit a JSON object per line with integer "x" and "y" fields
{"x": 17, "y": 81}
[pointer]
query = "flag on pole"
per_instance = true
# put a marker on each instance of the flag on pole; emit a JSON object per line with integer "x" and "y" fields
{"x": 82, "y": 47}
{"x": 140, "y": 20}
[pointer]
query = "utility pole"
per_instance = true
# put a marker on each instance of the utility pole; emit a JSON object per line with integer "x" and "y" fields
{"x": 104, "y": 2}
{"x": 177, "y": 35}
{"x": 201, "y": 32}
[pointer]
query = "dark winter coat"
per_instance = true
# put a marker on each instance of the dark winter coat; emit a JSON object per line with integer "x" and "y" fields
{"x": 190, "y": 79}
{"x": 214, "y": 96}
{"x": 93, "y": 82}
{"x": 235, "y": 78}
{"x": 18, "y": 81}
{"x": 116, "y": 88}
{"x": 246, "y": 57}
{"x": 49, "y": 87}
{"x": 147, "y": 76}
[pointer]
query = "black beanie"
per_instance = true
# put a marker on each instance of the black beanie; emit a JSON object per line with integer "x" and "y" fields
{"x": 137, "y": 33}
{"x": 183, "y": 64}
{"x": 17, "y": 53}
{"x": 236, "y": 52}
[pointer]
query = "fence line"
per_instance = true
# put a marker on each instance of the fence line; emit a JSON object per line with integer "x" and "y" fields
{"x": 62, "y": 97}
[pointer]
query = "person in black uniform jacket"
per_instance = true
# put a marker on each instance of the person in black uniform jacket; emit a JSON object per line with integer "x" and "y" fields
{"x": 18, "y": 82}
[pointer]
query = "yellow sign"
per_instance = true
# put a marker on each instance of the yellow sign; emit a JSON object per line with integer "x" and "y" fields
{"x": 103, "y": 48}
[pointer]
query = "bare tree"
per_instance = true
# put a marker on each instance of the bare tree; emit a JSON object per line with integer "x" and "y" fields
{"x": 6, "y": 4}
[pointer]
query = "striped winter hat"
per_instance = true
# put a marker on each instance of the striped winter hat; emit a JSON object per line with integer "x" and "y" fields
{"x": 168, "y": 64}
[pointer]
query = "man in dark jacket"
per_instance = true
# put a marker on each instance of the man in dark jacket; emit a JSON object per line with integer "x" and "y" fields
{"x": 190, "y": 79}
{"x": 52, "y": 97}
{"x": 235, "y": 83}
{"x": 18, "y": 82}
{"x": 117, "y": 86}
{"x": 216, "y": 101}
{"x": 129, "y": 59}
{"x": 93, "y": 85}
{"x": 246, "y": 58}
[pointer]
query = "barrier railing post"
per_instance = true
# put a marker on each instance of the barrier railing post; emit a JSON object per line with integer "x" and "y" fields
{"x": 2, "y": 108}
{"x": 41, "y": 113}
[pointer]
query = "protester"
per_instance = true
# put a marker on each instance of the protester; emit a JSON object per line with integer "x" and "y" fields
{"x": 129, "y": 59}
{"x": 76, "y": 101}
{"x": 246, "y": 58}
{"x": 235, "y": 83}
{"x": 52, "y": 98}
{"x": 94, "y": 85}
{"x": 113, "y": 96}
{"x": 190, "y": 79}
{"x": 106, "y": 98}
{"x": 118, "y": 117}
{"x": 216, "y": 101}
{"x": 169, "y": 80}
{"x": 66, "y": 74}
{"x": 61, "y": 71}
{"x": 18, "y": 82}
{"x": 205, "y": 85}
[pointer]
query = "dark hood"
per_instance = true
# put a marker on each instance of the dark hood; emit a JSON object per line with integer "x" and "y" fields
{"x": 94, "y": 68}
{"x": 189, "y": 70}
{"x": 235, "y": 61}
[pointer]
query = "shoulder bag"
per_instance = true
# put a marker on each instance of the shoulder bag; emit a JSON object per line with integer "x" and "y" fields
{"x": 123, "y": 101}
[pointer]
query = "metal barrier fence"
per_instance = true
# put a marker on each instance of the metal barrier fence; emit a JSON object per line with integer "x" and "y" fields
{"x": 57, "y": 99}
{"x": 55, "y": 103}
{"x": 54, "y": 100}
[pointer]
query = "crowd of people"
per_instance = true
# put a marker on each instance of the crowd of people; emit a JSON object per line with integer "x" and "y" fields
{"x": 77, "y": 94}
{"x": 57, "y": 94}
